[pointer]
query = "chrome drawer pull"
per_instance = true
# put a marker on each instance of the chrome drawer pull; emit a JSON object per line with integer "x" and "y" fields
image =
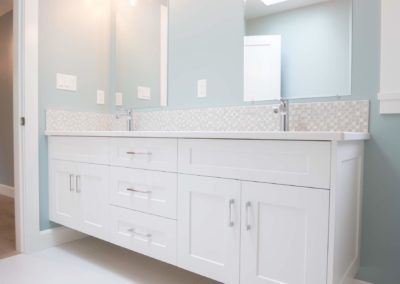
{"x": 231, "y": 205}
{"x": 78, "y": 184}
{"x": 145, "y": 235}
{"x": 139, "y": 153}
{"x": 248, "y": 207}
{"x": 139, "y": 191}
{"x": 71, "y": 182}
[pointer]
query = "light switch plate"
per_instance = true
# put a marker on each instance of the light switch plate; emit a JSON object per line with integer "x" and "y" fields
{"x": 66, "y": 82}
{"x": 101, "y": 97}
{"x": 202, "y": 88}
{"x": 119, "y": 99}
{"x": 144, "y": 93}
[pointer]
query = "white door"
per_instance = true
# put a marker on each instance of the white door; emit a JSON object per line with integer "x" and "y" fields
{"x": 209, "y": 227}
{"x": 62, "y": 195}
{"x": 91, "y": 189}
{"x": 284, "y": 234}
{"x": 262, "y": 68}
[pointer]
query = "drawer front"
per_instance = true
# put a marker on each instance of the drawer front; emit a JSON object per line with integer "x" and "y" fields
{"x": 146, "y": 191}
{"x": 79, "y": 149}
{"x": 144, "y": 153}
{"x": 143, "y": 233}
{"x": 282, "y": 162}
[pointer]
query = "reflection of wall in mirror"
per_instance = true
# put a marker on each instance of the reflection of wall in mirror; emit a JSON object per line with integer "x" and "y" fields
{"x": 141, "y": 38}
{"x": 316, "y": 47}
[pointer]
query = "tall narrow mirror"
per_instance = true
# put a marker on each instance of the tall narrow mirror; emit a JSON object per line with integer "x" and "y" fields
{"x": 140, "y": 37}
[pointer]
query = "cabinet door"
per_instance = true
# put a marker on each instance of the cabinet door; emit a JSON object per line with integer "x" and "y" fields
{"x": 209, "y": 227}
{"x": 62, "y": 197}
{"x": 91, "y": 188}
{"x": 284, "y": 234}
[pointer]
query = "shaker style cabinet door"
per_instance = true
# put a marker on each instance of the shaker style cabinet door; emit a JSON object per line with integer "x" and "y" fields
{"x": 78, "y": 196}
{"x": 92, "y": 188}
{"x": 209, "y": 227}
{"x": 62, "y": 193}
{"x": 284, "y": 234}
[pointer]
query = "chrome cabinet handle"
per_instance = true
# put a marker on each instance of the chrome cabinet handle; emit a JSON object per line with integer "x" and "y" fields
{"x": 145, "y": 235}
{"x": 78, "y": 184}
{"x": 71, "y": 182}
{"x": 139, "y": 191}
{"x": 138, "y": 153}
{"x": 231, "y": 205}
{"x": 248, "y": 207}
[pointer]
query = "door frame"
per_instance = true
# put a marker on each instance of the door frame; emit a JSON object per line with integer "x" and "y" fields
{"x": 29, "y": 236}
{"x": 26, "y": 138}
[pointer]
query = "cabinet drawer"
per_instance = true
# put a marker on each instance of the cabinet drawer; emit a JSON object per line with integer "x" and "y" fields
{"x": 147, "y": 191}
{"x": 144, "y": 153}
{"x": 282, "y": 162}
{"x": 79, "y": 149}
{"x": 146, "y": 234}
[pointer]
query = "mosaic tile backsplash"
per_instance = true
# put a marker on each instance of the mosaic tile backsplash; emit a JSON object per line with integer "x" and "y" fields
{"x": 348, "y": 116}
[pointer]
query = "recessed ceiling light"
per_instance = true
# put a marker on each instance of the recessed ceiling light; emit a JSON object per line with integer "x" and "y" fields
{"x": 272, "y": 2}
{"x": 133, "y": 2}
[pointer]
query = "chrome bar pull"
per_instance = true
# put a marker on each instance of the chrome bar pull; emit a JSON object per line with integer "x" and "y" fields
{"x": 248, "y": 207}
{"x": 71, "y": 183}
{"x": 144, "y": 235}
{"x": 139, "y": 153}
{"x": 78, "y": 184}
{"x": 139, "y": 191}
{"x": 231, "y": 209}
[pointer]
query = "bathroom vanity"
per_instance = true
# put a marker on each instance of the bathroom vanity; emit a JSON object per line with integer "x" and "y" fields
{"x": 237, "y": 207}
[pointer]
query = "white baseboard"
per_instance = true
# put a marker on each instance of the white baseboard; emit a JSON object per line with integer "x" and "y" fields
{"x": 58, "y": 236}
{"x": 360, "y": 282}
{"x": 6, "y": 190}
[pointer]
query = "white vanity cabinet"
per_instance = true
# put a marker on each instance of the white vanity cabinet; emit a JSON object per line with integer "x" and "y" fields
{"x": 209, "y": 227}
{"x": 78, "y": 196}
{"x": 239, "y": 211}
{"x": 284, "y": 234}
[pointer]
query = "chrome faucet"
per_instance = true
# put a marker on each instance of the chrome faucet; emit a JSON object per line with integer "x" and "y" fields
{"x": 128, "y": 114}
{"x": 283, "y": 110}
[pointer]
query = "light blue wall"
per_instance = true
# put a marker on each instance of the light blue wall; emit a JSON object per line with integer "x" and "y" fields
{"x": 316, "y": 48}
{"x": 6, "y": 100}
{"x": 206, "y": 42}
{"x": 73, "y": 39}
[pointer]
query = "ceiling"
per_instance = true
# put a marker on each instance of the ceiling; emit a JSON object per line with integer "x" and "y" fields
{"x": 5, "y": 6}
{"x": 256, "y": 8}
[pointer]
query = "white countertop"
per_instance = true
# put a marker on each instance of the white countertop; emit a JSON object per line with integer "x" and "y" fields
{"x": 304, "y": 136}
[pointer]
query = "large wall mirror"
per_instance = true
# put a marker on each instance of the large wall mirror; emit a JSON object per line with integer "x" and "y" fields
{"x": 297, "y": 49}
{"x": 149, "y": 54}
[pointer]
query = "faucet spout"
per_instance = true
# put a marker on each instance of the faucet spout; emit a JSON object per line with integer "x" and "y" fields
{"x": 283, "y": 110}
{"x": 128, "y": 114}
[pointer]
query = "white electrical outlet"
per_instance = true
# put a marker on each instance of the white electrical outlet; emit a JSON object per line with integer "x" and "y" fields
{"x": 101, "y": 100}
{"x": 202, "y": 88}
{"x": 144, "y": 93}
{"x": 119, "y": 99}
{"x": 66, "y": 82}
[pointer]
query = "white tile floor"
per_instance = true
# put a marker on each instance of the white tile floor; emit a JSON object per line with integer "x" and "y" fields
{"x": 91, "y": 261}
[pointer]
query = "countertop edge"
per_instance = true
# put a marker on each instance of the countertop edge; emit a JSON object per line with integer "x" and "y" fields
{"x": 303, "y": 136}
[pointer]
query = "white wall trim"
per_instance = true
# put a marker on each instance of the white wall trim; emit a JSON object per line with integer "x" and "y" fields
{"x": 389, "y": 103}
{"x": 6, "y": 190}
